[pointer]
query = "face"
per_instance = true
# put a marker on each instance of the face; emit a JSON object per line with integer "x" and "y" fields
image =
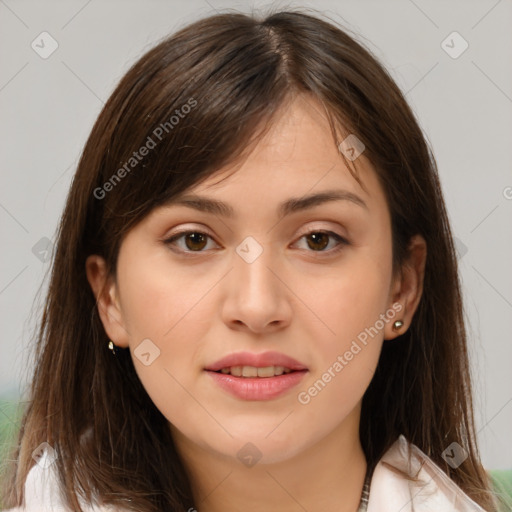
{"x": 307, "y": 288}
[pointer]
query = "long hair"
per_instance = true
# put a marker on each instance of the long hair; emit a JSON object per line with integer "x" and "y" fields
{"x": 197, "y": 99}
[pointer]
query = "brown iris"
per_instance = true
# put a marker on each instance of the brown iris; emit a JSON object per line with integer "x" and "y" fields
{"x": 318, "y": 240}
{"x": 195, "y": 238}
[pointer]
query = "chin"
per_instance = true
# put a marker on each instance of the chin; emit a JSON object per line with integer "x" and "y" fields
{"x": 260, "y": 446}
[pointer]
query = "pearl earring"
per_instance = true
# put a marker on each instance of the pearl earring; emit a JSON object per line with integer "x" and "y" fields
{"x": 397, "y": 325}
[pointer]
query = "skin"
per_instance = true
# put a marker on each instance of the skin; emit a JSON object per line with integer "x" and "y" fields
{"x": 298, "y": 297}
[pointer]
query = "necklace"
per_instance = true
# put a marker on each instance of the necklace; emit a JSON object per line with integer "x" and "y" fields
{"x": 365, "y": 494}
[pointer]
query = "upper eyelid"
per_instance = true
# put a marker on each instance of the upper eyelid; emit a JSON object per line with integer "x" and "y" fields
{"x": 201, "y": 228}
{"x": 205, "y": 231}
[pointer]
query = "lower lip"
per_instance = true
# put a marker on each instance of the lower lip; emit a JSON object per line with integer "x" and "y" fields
{"x": 258, "y": 388}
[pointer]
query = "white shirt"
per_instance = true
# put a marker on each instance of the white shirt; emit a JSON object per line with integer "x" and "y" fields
{"x": 434, "y": 491}
{"x": 389, "y": 492}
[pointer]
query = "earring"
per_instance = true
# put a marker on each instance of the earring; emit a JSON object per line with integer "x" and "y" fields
{"x": 112, "y": 347}
{"x": 398, "y": 325}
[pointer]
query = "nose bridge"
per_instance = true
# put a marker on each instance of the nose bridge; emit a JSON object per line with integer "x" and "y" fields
{"x": 256, "y": 297}
{"x": 252, "y": 270}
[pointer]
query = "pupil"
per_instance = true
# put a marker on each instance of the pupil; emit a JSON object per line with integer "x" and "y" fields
{"x": 197, "y": 237}
{"x": 316, "y": 236}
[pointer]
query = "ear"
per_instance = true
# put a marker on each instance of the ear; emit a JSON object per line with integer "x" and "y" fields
{"x": 407, "y": 287}
{"x": 104, "y": 288}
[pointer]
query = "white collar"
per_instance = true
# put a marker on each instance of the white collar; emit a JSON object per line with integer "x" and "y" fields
{"x": 434, "y": 490}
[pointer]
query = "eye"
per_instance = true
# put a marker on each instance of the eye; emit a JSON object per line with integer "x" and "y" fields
{"x": 196, "y": 241}
{"x": 319, "y": 240}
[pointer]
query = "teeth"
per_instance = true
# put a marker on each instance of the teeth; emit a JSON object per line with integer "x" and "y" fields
{"x": 268, "y": 371}
{"x": 252, "y": 371}
{"x": 236, "y": 371}
{"x": 249, "y": 371}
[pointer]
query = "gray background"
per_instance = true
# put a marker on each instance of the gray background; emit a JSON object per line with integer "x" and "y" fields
{"x": 48, "y": 106}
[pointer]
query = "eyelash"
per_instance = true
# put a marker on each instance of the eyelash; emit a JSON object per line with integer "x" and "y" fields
{"x": 341, "y": 241}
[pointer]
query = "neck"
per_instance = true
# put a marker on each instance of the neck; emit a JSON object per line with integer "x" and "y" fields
{"x": 327, "y": 477}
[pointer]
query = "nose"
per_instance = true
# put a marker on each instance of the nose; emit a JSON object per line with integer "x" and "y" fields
{"x": 257, "y": 297}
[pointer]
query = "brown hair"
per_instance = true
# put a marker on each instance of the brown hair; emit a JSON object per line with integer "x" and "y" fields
{"x": 234, "y": 71}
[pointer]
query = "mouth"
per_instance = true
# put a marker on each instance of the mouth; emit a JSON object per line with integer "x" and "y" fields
{"x": 249, "y": 376}
{"x": 253, "y": 371}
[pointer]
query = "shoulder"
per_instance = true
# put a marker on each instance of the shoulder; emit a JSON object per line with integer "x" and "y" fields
{"x": 433, "y": 490}
{"x": 42, "y": 492}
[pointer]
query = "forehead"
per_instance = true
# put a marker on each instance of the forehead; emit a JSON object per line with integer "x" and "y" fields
{"x": 296, "y": 158}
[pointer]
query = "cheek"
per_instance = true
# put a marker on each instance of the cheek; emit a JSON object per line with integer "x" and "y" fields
{"x": 162, "y": 312}
{"x": 351, "y": 308}
{"x": 159, "y": 300}
{"x": 353, "y": 296}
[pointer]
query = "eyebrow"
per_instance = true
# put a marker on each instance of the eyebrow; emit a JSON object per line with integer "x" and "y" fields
{"x": 292, "y": 205}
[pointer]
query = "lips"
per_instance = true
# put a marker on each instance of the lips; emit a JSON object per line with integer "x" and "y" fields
{"x": 263, "y": 360}
{"x": 249, "y": 376}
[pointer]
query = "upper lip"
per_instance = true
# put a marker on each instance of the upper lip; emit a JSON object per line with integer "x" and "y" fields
{"x": 258, "y": 360}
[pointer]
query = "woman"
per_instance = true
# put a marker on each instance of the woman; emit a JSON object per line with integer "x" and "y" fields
{"x": 311, "y": 353}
